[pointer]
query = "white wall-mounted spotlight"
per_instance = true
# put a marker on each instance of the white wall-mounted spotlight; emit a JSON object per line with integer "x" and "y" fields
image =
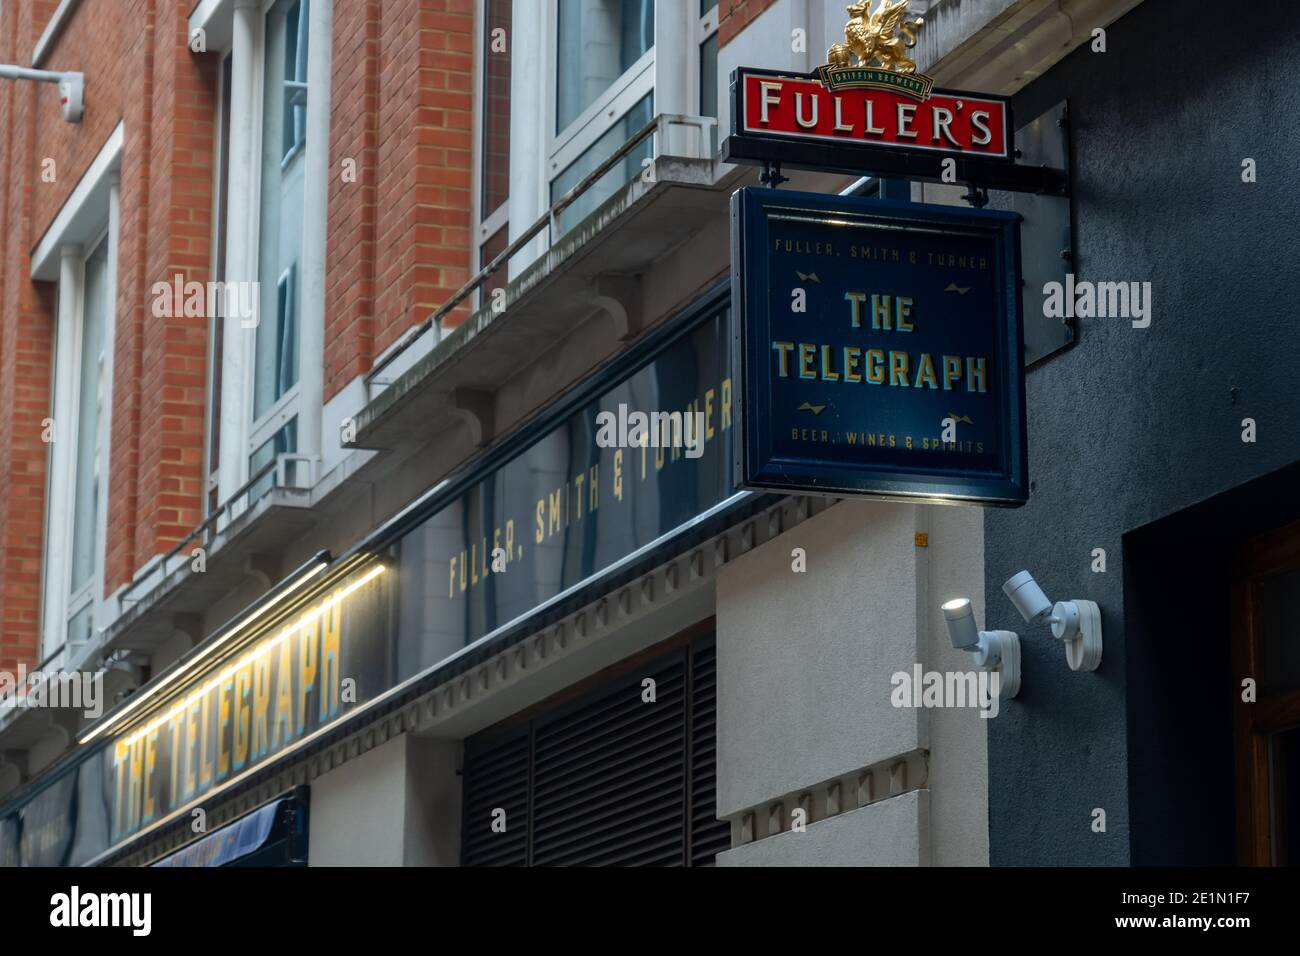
{"x": 995, "y": 650}
{"x": 1077, "y": 623}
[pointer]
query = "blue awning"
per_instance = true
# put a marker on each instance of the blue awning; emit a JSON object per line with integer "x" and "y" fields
{"x": 235, "y": 840}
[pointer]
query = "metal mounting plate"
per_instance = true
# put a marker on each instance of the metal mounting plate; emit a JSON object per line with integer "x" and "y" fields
{"x": 1046, "y": 234}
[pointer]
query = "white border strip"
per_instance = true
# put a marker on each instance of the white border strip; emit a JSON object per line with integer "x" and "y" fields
{"x": 203, "y": 13}
{"x": 62, "y": 14}
{"x": 46, "y": 253}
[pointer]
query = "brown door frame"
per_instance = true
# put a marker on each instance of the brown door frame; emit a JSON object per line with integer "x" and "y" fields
{"x": 1253, "y": 722}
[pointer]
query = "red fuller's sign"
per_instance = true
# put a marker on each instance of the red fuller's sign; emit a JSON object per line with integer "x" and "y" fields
{"x": 869, "y": 111}
{"x": 871, "y": 108}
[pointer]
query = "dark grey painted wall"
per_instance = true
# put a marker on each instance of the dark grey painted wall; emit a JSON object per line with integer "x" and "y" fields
{"x": 1134, "y": 425}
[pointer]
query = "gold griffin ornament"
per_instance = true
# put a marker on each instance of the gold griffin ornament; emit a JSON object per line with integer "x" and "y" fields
{"x": 880, "y": 38}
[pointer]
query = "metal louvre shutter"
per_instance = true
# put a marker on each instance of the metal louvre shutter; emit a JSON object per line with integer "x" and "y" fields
{"x": 604, "y": 780}
{"x": 495, "y": 777}
{"x": 709, "y": 835}
{"x": 609, "y": 778}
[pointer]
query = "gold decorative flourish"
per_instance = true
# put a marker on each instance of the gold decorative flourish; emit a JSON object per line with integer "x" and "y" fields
{"x": 877, "y": 39}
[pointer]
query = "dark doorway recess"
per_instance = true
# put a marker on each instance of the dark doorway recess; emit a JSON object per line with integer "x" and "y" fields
{"x": 1182, "y": 683}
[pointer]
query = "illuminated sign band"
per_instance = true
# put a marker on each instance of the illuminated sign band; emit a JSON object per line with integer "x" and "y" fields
{"x": 879, "y": 346}
{"x": 293, "y": 680}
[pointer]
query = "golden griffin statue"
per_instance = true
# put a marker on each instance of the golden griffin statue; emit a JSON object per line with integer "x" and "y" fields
{"x": 880, "y": 38}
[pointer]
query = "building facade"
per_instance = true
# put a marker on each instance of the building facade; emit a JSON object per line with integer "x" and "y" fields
{"x": 308, "y": 328}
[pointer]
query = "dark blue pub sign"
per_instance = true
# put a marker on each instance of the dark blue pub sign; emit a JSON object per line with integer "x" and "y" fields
{"x": 879, "y": 347}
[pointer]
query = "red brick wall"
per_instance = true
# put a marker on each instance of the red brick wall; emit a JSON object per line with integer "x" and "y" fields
{"x": 139, "y": 71}
{"x": 25, "y": 342}
{"x": 89, "y": 43}
{"x": 735, "y": 15}
{"x": 172, "y": 386}
{"x": 398, "y": 244}
{"x": 401, "y": 106}
{"x": 160, "y": 364}
{"x": 124, "y": 429}
{"x": 41, "y": 12}
{"x": 495, "y": 116}
{"x": 350, "y": 246}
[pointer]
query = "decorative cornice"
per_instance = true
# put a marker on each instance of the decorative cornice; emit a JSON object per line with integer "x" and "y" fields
{"x": 867, "y": 785}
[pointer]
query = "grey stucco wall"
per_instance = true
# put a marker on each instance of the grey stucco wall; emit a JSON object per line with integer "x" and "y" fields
{"x": 358, "y": 810}
{"x": 793, "y": 713}
{"x": 395, "y": 805}
{"x": 805, "y": 662}
{"x": 1135, "y": 424}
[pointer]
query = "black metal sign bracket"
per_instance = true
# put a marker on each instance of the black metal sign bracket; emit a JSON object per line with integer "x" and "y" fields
{"x": 771, "y": 175}
{"x": 858, "y": 159}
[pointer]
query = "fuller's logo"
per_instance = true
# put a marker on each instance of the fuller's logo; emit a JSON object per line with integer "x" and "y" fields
{"x": 867, "y": 102}
{"x": 878, "y": 41}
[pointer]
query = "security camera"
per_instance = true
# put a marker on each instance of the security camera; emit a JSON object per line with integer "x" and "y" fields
{"x": 1076, "y": 623}
{"x": 123, "y": 675}
{"x": 72, "y": 87}
{"x": 994, "y": 650}
{"x": 72, "y": 96}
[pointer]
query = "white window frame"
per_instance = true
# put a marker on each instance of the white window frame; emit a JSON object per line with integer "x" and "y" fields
{"x": 484, "y": 227}
{"x": 78, "y": 601}
{"x": 212, "y": 410}
{"x": 566, "y": 145}
{"x": 91, "y": 213}
{"x": 701, "y": 29}
{"x": 287, "y": 406}
{"x": 597, "y": 120}
{"x": 299, "y": 88}
{"x": 60, "y": 604}
{"x": 242, "y": 436}
{"x": 669, "y": 72}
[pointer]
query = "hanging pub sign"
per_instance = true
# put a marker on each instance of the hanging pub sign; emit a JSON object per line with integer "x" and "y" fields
{"x": 879, "y": 348}
{"x": 868, "y": 111}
